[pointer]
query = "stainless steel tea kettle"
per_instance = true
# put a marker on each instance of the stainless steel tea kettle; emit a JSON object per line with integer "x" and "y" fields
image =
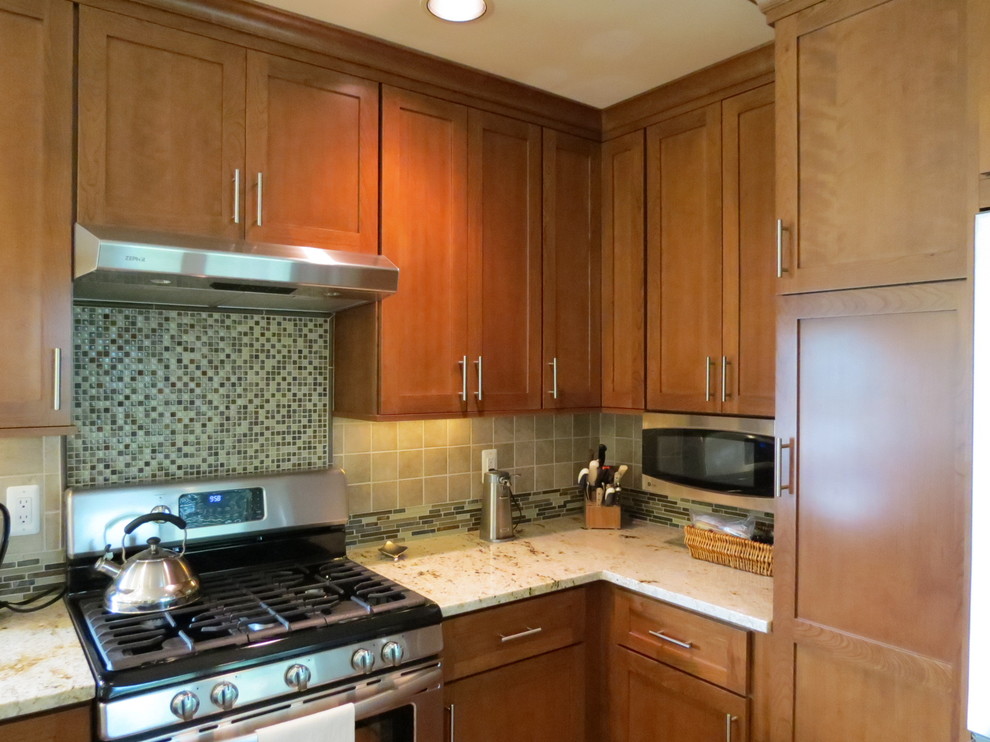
{"x": 153, "y": 580}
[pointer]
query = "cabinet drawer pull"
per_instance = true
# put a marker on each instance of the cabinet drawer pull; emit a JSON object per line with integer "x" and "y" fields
{"x": 678, "y": 642}
{"x": 450, "y": 708}
{"x": 463, "y": 364}
{"x": 237, "y": 196}
{"x": 729, "y": 718}
{"x": 781, "y": 270}
{"x": 708, "y": 378}
{"x": 521, "y": 634}
{"x": 57, "y": 380}
{"x": 553, "y": 365}
{"x": 478, "y": 393}
{"x": 725, "y": 364}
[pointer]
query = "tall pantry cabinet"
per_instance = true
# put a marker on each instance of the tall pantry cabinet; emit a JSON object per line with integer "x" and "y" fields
{"x": 36, "y": 213}
{"x": 876, "y": 200}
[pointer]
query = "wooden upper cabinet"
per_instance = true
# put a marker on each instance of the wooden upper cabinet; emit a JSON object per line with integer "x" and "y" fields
{"x": 312, "y": 142}
{"x": 424, "y": 327}
{"x": 873, "y": 387}
{"x": 624, "y": 272}
{"x": 979, "y": 24}
{"x": 875, "y": 181}
{"x": 36, "y": 212}
{"x": 571, "y": 272}
{"x": 684, "y": 261}
{"x": 748, "y": 265}
{"x": 161, "y": 126}
{"x": 504, "y": 272}
{"x": 182, "y": 133}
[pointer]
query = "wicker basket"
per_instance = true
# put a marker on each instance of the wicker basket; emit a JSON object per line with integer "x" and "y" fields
{"x": 732, "y": 551}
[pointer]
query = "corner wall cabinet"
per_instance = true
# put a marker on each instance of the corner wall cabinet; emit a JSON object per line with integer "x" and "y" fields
{"x": 182, "y": 133}
{"x": 36, "y": 211}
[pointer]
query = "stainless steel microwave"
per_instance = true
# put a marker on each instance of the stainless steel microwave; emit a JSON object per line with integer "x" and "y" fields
{"x": 722, "y": 460}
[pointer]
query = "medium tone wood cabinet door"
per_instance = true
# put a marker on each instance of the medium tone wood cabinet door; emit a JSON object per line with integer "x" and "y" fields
{"x": 653, "y": 702}
{"x": 623, "y": 272}
{"x": 36, "y": 213}
{"x": 874, "y": 144}
{"x": 161, "y": 127}
{"x": 312, "y": 143}
{"x": 571, "y": 272}
{"x": 424, "y": 340}
{"x": 684, "y": 262}
{"x": 537, "y": 700}
{"x": 68, "y": 725}
{"x": 874, "y": 398}
{"x": 505, "y": 272}
{"x": 748, "y": 266}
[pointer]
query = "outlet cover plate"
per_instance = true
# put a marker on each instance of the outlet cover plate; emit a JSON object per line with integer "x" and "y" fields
{"x": 24, "y": 504}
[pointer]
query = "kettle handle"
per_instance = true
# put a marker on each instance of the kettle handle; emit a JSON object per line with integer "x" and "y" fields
{"x": 175, "y": 520}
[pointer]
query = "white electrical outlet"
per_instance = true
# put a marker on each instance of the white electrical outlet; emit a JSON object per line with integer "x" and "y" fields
{"x": 489, "y": 460}
{"x": 24, "y": 504}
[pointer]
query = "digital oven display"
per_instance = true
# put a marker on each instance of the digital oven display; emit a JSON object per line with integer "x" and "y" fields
{"x": 224, "y": 507}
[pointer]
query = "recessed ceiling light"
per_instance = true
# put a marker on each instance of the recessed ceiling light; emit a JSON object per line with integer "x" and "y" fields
{"x": 457, "y": 11}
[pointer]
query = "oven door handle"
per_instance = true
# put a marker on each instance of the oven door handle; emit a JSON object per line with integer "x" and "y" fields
{"x": 369, "y": 701}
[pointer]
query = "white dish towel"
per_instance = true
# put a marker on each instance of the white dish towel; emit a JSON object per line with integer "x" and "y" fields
{"x": 332, "y": 725}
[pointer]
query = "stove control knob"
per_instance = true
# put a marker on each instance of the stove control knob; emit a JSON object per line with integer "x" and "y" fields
{"x": 297, "y": 677}
{"x": 184, "y": 705}
{"x": 363, "y": 661}
{"x": 392, "y": 653}
{"x": 224, "y": 695}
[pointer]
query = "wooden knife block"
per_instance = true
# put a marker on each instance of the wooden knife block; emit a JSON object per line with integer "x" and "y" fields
{"x": 598, "y": 516}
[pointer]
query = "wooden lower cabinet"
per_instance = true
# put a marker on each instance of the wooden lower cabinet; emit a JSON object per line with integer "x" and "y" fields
{"x": 541, "y": 699}
{"x": 652, "y": 702}
{"x": 70, "y": 725}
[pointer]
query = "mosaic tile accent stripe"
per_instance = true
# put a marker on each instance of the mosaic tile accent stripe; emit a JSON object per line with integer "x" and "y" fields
{"x": 165, "y": 394}
{"x": 667, "y": 511}
{"x": 454, "y": 517}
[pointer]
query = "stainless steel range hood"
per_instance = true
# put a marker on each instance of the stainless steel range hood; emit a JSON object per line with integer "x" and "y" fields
{"x": 126, "y": 265}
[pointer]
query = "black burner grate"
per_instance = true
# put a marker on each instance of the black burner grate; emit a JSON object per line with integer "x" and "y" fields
{"x": 244, "y": 606}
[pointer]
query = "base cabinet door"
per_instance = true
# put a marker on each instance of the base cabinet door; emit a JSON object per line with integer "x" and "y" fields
{"x": 537, "y": 700}
{"x": 71, "y": 725}
{"x": 652, "y": 702}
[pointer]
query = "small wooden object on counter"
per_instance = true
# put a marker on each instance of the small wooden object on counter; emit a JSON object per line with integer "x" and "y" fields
{"x": 732, "y": 551}
{"x": 599, "y": 516}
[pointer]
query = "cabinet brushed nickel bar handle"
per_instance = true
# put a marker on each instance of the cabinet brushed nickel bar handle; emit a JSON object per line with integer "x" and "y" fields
{"x": 478, "y": 393}
{"x": 260, "y": 198}
{"x": 708, "y": 378}
{"x": 553, "y": 365}
{"x": 450, "y": 708}
{"x": 729, "y": 718}
{"x": 672, "y": 640}
{"x": 463, "y": 364}
{"x": 725, "y": 363}
{"x": 237, "y": 196}
{"x": 778, "y": 485}
{"x": 521, "y": 634}
{"x": 57, "y": 379}
{"x": 781, "y": 270}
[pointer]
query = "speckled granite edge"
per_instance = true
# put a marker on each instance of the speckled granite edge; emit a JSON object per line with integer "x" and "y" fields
{"x": 42, "y": 666}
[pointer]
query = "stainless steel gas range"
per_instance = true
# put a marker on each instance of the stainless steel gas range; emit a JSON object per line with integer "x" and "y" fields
{"x": 284, "y": 625}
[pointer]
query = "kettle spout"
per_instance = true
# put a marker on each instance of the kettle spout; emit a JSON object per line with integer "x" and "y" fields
{"x": 106, "y": 565}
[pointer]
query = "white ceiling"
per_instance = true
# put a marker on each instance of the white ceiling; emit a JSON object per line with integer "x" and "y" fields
{"x": 597, "y": 52}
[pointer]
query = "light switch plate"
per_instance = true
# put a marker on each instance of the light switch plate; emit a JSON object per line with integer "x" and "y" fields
{"x": 489, "y": 460}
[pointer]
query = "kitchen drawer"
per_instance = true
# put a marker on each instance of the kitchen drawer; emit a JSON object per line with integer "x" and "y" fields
{"x": 493, "y": 637}
{"x": 700, "y": 646}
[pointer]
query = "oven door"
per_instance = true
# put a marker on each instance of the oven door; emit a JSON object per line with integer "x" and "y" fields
{"x": 402, "y": 706}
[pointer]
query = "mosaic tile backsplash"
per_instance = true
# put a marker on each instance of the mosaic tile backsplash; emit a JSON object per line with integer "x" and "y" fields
{"x": 175, "y": 394}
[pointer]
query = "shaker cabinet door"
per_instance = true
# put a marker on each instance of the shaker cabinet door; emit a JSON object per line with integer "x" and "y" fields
{"x": 161, "y": 127}
{"x": 36, "y": 213}
{"x": 312, "y": 156}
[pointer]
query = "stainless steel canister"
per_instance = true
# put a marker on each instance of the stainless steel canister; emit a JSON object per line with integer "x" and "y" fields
{"x": 496, "y": 507}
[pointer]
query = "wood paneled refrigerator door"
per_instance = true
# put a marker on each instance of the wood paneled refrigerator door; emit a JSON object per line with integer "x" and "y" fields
{"x": 424, "y": 342}
{"x": 748, "y": 265}
{"x": 312, "y": 140}
{"x": 684, "y": 262}
{"x": 36, "y": 213}
{"x": 504, "y": 228}
{"x": 869, "y": 597}
{"x": 161, "y": 127}
{"x": 623, "y": 272}
{"x": 875, "y": 145}
{"x": 571, "y": 265}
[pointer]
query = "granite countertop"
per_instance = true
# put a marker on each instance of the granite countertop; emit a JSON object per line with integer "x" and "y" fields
{"x": 42, "y": 666}
{"x": 462, "y": 573}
